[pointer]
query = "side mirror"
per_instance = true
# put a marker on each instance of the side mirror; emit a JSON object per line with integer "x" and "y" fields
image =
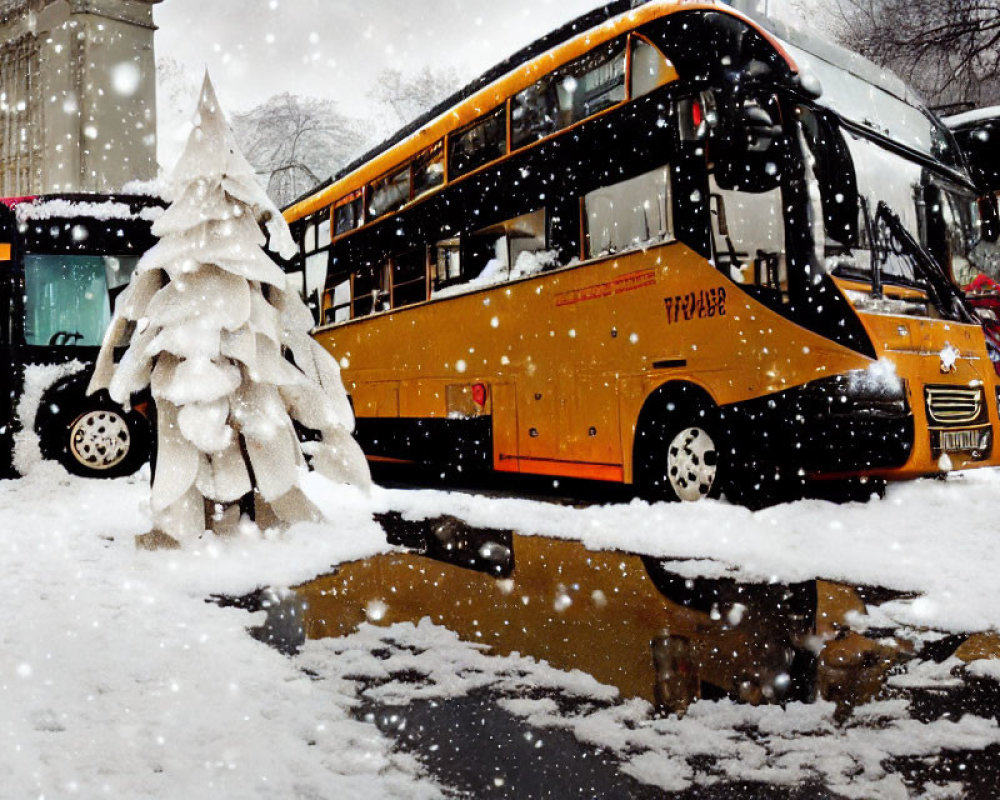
{"x": 760, "y": 129}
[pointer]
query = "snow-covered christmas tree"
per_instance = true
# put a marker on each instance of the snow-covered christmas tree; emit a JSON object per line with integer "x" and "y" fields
{"x": 223, "y": 343}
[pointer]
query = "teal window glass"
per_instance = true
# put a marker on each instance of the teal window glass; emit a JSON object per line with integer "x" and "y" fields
{"x": 68, "y": 298}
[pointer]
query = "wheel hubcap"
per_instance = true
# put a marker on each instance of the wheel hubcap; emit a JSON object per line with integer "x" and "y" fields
{"x": 692, "y": 464}
{"x": 99, "y": 439}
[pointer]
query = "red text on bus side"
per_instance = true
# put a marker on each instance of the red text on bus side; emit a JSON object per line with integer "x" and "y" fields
{"x": 626, "y": 283}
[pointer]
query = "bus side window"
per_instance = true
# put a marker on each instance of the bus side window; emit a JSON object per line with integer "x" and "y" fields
{"x": 510, "y": 249}
{"x": 428, "y": 170}
{"x": 749, "y": 233}
{"x": 409, "y": 278}
{"x": 632, "y": 213}
{"x": 349, "y": 215}
{"x": 337, "y": 303}
{"x": 650, "y": 68}
{"x": 317, "y": 266}
{"x": 309, "y": 239}
{"x": 389, "y": 193}
{"x": 485, "y": 253}
{"x": 448, "y": 262}
{"x": 570, "y": 94}
{"x": 481, "y": 142}
{"x": 368, "y": 291}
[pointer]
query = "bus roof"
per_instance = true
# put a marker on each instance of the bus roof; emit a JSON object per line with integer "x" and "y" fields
{"x": 977, "y": 115}
{"x": 840, "y": 57}
{"x": 557, "y": 47}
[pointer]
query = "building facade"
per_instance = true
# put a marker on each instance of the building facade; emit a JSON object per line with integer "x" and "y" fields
{"x": 77, "y": 95}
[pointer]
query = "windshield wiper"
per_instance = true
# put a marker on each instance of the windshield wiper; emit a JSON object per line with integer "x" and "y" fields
{"x": 947, "y": 298}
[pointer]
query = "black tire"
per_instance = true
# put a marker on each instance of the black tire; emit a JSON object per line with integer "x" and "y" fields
{"x": 93, "y": 437}
{"x": 680, "y": 451}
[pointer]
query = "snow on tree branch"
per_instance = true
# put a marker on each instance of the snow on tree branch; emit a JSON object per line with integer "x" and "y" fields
{"x": 223, "y": 344}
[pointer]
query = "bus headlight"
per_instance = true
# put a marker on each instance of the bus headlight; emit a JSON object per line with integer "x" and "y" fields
{"x": 863, "y": 393}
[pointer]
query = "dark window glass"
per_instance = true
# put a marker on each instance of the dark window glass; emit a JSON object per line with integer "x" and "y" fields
{"x": 482, "y": 142}
{"x": 348, "y": 216}
{"x": 428, "y": 170}
{"x": 571, "y": 93}
{"x": 409, "y": 278}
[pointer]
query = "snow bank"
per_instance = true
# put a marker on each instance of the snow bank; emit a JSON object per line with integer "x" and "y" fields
{"x": 118, "y": 679}
{"x": 38, "y": 379}
{"x": 934, "y": 537}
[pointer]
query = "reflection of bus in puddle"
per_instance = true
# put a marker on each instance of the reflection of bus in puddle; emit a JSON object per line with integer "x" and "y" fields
{"x": 626, "y": 621}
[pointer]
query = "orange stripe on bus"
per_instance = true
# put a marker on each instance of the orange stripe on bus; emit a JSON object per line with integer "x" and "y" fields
{"x": 569, "y": 469}
{"x": 498, "y": 92}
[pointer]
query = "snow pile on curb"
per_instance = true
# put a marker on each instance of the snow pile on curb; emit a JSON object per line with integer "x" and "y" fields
{"x": 118, "y": 679}
{"x": 38, "y": 379}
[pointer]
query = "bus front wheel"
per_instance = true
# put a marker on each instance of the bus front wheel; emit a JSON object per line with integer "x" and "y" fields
{"x": 96, "y": 438}
{"x": 681, "y": 454}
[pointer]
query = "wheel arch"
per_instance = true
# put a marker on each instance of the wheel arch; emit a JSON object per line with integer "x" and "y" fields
{"x": 67, "y": 398}
{"x": 681, "y": 393}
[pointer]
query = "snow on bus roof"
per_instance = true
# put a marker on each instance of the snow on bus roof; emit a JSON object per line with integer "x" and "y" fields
{"x": 43, "y": 208}
{"x": 976, "y": 115}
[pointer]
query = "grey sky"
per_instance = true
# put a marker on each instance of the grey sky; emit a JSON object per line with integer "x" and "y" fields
{"x": 335, "y": 48}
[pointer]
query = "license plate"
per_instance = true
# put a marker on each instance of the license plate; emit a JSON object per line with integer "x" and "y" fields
{"x": 958, "y": 441}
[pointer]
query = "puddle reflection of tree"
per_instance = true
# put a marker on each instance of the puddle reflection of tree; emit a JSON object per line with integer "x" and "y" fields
{"x": 630, "y": 622}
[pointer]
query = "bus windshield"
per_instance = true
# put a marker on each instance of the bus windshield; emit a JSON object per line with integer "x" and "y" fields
{"x": 955, "y": 229}
{"x": 68, "y": 297}
{"x": 879, "y": 110}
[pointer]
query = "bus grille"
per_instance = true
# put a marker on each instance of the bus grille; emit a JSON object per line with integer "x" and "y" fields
{"x": 952, "y": 405}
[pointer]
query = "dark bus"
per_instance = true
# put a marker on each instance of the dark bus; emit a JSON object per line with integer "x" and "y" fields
{"x": 64, "y": 259}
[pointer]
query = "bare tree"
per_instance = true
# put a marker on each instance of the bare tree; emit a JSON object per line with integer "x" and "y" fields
{"x": 297, "y": 142}
{"x": 406, "y": 97}
{"x": 948, "y": 49}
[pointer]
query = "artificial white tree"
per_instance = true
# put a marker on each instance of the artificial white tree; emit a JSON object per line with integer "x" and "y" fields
{"x": 222, "y": 341}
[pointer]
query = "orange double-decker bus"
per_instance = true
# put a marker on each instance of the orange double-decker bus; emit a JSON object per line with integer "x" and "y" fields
{"x": 645, "y": 250}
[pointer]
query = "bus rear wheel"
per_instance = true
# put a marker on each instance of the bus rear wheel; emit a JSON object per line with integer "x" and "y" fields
{"x": 96, "y": 439}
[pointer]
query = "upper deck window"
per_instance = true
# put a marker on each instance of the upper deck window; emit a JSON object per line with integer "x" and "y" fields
{"x": 569, "y": 94}
{"x": 650, "y": 68}
{"x": 323, "y": 238}
{"x": 389, "y": 194}
{"x": 349, "y": 215}
{"x": 428, "y": 170}
{"x": 483, "y": 141}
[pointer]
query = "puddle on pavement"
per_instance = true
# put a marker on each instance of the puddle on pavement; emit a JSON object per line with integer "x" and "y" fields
{"x": 629, "y": 622}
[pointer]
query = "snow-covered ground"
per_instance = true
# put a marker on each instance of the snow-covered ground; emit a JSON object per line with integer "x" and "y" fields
{"x": 117, "y": 678}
